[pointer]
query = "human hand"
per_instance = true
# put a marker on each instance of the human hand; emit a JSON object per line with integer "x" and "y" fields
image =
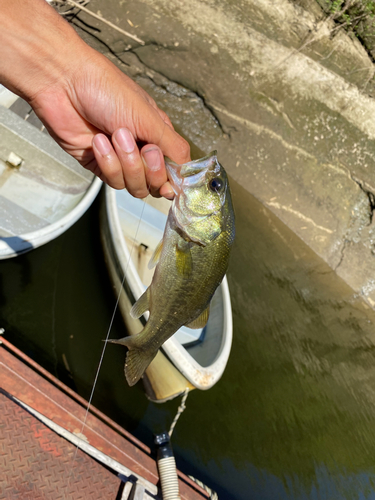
{"x": 95, "y": 112}
{"x": 100, "y": 115}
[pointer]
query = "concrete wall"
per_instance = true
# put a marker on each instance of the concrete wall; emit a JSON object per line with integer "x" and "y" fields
{"x": 284, "y": 96}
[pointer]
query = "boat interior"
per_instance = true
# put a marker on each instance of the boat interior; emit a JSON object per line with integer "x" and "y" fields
{"x": 39, "y": 183}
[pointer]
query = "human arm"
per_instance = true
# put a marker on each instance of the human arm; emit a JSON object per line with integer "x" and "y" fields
{"x": 94, "y": 112}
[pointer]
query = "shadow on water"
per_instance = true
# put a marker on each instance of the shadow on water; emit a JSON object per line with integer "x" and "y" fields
{"x": 293, "y": 416}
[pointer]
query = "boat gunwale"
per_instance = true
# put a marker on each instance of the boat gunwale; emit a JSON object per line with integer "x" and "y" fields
{"x": 32, "y": 136}
{"x": 35, "y": 239}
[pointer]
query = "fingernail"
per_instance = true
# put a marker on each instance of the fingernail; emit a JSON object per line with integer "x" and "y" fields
{"x": 152, "y": 158}
{"x": 125, "y": 140}
{"x": 102, "y": 144}
{"x": 169, "y": 194}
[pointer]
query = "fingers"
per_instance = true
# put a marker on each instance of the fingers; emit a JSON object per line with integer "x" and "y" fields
{"x": 167, "y": 191}
{"x": 155, "y": 172}
{"x": 120, "y": 161}
{"x": 132, "y": 167}
{"x": 109, "y": 165}
{"x": 158, "y": 129}
{"x": 175, "y": 147}
{"x": 165, "y": 118}
{"x": 121, "y": 165}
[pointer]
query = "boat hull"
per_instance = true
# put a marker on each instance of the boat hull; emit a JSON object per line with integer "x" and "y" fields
{"x": 43, "y": 190}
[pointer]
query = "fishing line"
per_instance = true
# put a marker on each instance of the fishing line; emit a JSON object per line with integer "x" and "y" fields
{"x": 118, "y": 298}
{"x": 109, "y": 331}
{"x": 114, "y": 313}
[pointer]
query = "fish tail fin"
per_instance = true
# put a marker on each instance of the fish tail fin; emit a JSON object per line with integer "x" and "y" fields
{"x": 137, "y": 358}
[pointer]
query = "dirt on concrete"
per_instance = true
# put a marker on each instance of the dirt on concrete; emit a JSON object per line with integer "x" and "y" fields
{"x": 285, "y": 98}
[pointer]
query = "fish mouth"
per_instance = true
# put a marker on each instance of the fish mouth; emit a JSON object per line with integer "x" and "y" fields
{"x": 179, "y": 175}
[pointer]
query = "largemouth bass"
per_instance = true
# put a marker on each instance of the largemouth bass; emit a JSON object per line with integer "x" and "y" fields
{"x": 191, "y": 260}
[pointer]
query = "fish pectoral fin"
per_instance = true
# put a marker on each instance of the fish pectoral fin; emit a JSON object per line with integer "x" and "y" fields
{"x": 184, "y": 260}
{"x": 201, "y": 321}
{"x": 141, "y": 306}
{"x": 116, "y": 341}
{"x": 156, "y": 255}
{"x": 130, "y": 341}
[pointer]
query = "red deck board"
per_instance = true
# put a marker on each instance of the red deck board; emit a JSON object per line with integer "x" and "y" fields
{"x": 25, "y": 384}
{"x": 36, "y": 464}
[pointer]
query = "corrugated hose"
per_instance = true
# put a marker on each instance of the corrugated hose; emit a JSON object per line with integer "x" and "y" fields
{"x": 167, "y": 464}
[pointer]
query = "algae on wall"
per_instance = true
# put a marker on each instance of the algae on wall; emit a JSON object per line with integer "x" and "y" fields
{"x": 356, "y": 17}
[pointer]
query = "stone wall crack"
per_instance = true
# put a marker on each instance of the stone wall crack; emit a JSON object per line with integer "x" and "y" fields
{"x": 342, "y": 253}
{"x": 371, "y": 198}
{"x": 194, "y": 91}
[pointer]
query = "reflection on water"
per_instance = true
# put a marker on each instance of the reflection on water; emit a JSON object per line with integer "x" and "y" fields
{"x": 293, "y": 416}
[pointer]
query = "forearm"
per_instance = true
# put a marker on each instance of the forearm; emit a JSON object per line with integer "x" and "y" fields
{"x": 83, "y": 99}
{"x": 38, "y": 47}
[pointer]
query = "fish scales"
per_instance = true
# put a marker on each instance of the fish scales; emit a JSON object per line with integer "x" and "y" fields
{"x": 181, "y": 298}
{"x": 191, "y": 260}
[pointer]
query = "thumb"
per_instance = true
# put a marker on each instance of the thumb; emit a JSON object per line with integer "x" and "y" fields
{"x": 174, "y": 146}
{"x": 157, "y": 131}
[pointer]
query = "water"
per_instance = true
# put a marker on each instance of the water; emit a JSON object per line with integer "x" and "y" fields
{"x": 293, "y": 416}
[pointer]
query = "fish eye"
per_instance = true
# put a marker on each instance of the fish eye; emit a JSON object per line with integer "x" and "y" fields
{"x": 216, "y": 184}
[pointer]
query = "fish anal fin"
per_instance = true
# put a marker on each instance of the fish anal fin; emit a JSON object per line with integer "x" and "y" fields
{"x": 156, "y": 255}
{"x": 184, "y": 260}
{"x": 136, "y": 363}
{"x": 141, "y": 306}
{"x": 201, "y": 321}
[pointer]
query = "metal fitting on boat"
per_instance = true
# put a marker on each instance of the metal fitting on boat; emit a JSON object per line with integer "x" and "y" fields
{"x": 14, "y": 160}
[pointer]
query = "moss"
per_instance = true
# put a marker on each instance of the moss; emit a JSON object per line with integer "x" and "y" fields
{"x": 357, "y": 17}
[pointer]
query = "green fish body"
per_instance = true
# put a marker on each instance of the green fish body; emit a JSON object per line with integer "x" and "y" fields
{"x": 191, "y": 259}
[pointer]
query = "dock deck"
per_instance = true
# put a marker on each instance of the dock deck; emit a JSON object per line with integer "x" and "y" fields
{"x": 45, "y": 454}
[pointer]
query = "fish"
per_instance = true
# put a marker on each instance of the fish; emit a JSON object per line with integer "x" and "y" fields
{"x": 191, "y": 260}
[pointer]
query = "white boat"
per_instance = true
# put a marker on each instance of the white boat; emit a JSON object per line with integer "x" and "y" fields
{"x": 43, "y": 190}
{"x": 130, "y": 231}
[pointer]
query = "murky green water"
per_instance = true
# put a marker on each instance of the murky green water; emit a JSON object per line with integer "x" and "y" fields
{"x": 294, "y": 414}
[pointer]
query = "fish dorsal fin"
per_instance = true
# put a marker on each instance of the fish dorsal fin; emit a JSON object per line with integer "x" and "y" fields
{"x": 156, "y": 255}
{"x": 201, "y": 321}
{"x": 184, "y": 260}
{"x": 141, "y": 306}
